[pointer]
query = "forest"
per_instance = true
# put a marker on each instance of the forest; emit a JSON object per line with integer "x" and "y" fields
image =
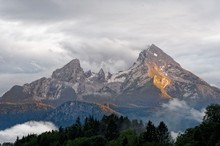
{"x": 116, "y": 130}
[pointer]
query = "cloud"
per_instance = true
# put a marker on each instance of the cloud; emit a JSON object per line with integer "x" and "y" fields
{"x": 29, "y": 10}
{"x": 43, "y": 35}
{"x": 178, "y": 115}
{"x": 110, "y": 54}
{"x": 20, "y": 130}
{"x": 174, "y": 135}
{"x": 182, "y": 109}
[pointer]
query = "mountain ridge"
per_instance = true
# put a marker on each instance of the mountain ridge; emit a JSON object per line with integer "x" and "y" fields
{"x": 153, "y": 78}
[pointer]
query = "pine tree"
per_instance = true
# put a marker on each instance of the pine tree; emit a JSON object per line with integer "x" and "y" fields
{"x": 212, "y": 113}
{"x": 150, "y": 135}
{"x": 163, "y": 134}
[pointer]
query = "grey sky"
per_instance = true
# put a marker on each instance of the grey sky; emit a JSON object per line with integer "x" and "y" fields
{"x": 38, "y": 36}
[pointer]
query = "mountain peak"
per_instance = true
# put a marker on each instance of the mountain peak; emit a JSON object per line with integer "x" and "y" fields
{"x": 152, "y": 50}
{"x": 71, "y": 72}
{"x": 160, "y": 67}
{"x": 101, "y": 75}
{"x": 88, "y": 73}
{"x": 154, "y": 55}
{"x": 73, "y": 63}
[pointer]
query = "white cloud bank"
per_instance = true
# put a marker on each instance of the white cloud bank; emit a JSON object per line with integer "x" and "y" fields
{"x": 179, "y": 115}
{"x": 174, "y": 135}
{"x": 20, "y": 130}
{"x": 183, "y": 109}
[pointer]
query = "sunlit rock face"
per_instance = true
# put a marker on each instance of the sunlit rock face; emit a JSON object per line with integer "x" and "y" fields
{"x": 172, "y": 80}
{"x": 160, "y": 79}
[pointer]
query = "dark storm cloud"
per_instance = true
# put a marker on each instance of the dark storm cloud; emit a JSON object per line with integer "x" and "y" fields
{"x": 40, "y": 35}
{"x": 56, "y": 10}
{"x": 34, "y": 10}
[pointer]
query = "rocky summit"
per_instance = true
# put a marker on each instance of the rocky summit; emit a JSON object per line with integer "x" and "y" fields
{"x": 154, "y": 79}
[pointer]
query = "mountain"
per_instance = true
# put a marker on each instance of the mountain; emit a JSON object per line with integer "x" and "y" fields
{"x": 153, "y": 79}
{"x": 155, "y": 76}
{"x": 64, "y": 115}
{"x": 74, "y": 109}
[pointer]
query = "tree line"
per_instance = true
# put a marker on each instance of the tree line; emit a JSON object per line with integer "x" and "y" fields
{"x": 110, "y": 131}
{"x": 120, "y": 131}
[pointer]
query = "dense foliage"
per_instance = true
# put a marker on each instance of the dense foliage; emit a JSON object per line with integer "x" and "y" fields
{"x": 207, "y": 133}
{"x": 110, "y": 131}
